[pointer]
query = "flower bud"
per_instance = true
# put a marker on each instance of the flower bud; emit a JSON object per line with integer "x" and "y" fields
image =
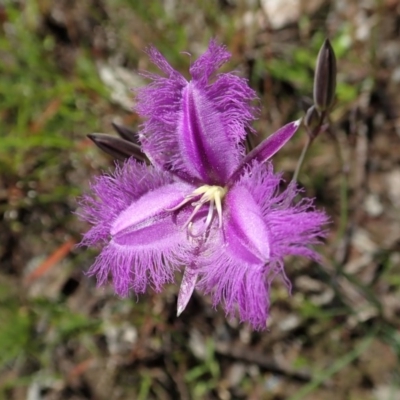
{"x": 325, "y": 77}
{"x": 313, "y": 121}
{"x": 126, "y": 133}
{"x": 117, "y": 147}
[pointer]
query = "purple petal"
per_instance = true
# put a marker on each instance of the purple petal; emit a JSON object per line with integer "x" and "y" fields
{"x": 143, "y": 242}
{"x": 160, "y": 61}
{"x": 203, "y": 138}
{"x": 233, "y": 98}
{"x": 207, "y": 64}
{"x": 186, "y": 289}
{"x": 252, "y": 299}
{"x": 112, "y": 194}
{"x": 160, "y": 103}
{"x": 293, "y": 226}
{"x": 136, "y": 269}
{"x": 245, "y": 232}
{"x": 242, "y": 288}
{"x": 148, "y": 211}
{"x": 262, "y": 225}
{"x": 189, "y": 125}
{"x": 267, "y": 148}
{"x": 235, "y": 267}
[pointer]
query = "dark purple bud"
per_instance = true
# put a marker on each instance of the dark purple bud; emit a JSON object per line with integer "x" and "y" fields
{"x": 325, "y": 77}
{"x": 117, "y": 147}
{"x": 313, "y": 121}
{"x": 126, "y": 133}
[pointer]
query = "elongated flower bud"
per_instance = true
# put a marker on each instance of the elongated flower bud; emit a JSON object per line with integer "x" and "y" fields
{"x": 117, "y": 147}
{"x": 325, "y": 77}
{"x": 126, "y": 133}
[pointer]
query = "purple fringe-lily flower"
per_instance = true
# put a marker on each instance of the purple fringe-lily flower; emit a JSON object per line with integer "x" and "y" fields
{"x": 203, "y": 205}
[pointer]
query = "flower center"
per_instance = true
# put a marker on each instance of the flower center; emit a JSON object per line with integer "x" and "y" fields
{"x": 205, "y": 194}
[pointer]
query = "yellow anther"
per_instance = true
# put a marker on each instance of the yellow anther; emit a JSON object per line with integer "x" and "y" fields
{"x": 209, "y": 194}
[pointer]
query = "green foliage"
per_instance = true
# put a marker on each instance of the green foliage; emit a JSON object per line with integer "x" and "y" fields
{"x": 16, "y": 326}
{"x": 40, "y": 105}
{"x": 299, "y": 68}
{"x": 204, "y": 377}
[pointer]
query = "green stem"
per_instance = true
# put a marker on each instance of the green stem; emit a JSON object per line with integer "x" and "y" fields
{"x": 302, "y": 157}
{"x": 343, "y": 205}
{"x": 344, "y": 189}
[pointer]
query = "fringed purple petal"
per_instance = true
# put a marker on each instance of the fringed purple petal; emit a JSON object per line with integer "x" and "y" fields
{"x": 190, "y": 125}
{"x": 203, "y": 138}
{"x": 230, "y": 94}
{"x": 242, "y": 287}
{"x": 132, "y": 270}
{"x": 149, "y": 210}
{"x": 113, "y": 193}
{"x": 144, "y": 242}
{"x": 252, "y": 300}
{"x": 160, "y": 103}
{"x": 222, "y": 111}
{"x": 245, "y": 232}
{"x": 233, "y": 98}
{"x": 288, "y": 228}
{"x": 293, "y": 227}
{"x": 207, "y": 64}
{"x": 235, "y": 267}
{"x": 160, "y": 61}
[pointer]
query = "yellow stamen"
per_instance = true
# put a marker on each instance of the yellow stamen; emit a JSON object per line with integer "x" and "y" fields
{"x": 209, "y": 194}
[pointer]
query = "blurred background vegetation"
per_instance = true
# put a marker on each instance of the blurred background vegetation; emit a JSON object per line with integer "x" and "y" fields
{"x": 66, "y": 69}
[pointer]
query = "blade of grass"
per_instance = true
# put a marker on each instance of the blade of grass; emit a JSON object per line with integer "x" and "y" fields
{"x": 336, "y": 367}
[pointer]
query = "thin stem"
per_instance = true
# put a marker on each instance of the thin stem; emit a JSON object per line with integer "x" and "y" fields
{"x": 302, "y": 157}
{"x": 344, "y": 206}
{"x": 312, "y": 133}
